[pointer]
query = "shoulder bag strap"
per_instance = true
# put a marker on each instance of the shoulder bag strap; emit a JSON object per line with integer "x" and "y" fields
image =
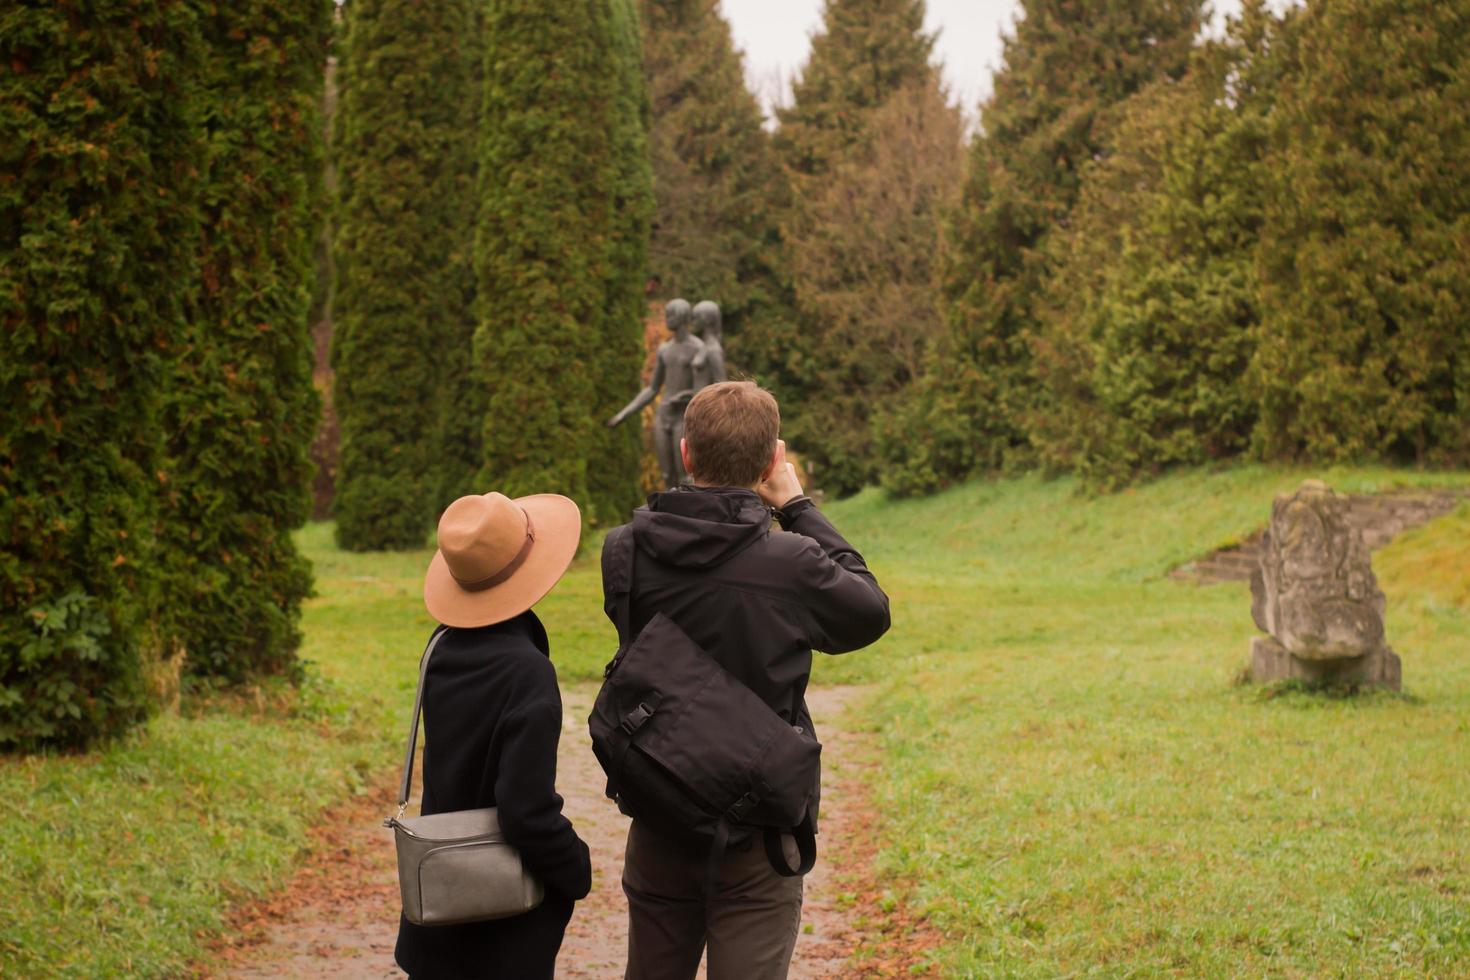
{"x": 406, "y": 785}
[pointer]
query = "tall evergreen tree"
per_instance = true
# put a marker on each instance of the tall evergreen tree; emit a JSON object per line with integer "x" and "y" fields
{"x": 863, "y": 261}
{"x": 1363, "y": 348}
{"x": 98, "y": 230}
{"x": 461, "y": 390}
{"x": 549, "y": 212}
{"x": 1151, "y": 307}
{"x": 1066, "y": 67}
{"x": 867, "y": 54}
{"x": 242, "y": 410}
{"x": 404, "y": 147}
{"x": 718, "y": 189}
{"x": 612, "y": 482}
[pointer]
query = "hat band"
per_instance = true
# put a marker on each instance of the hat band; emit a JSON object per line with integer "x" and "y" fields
{"x": 510, "y": 569}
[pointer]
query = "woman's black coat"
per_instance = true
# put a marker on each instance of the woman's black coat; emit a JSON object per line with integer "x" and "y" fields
{"x": 492, "y": 718}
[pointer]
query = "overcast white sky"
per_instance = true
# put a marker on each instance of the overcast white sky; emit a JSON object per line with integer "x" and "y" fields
{"x": 775, "y": 36}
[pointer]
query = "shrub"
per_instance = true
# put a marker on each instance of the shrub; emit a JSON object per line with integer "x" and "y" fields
{"x": 546, "y": 242}
{"x": 241, "y": 409}
{"x": 403, "y": 149}
{"x": 98, "y": 244}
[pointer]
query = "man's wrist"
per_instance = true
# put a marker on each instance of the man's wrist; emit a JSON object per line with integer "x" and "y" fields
{"x": 793, "y": 509}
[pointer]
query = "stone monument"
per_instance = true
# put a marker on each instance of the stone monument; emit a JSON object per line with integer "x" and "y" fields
{"x": 1315, "y": 594}
{"x": 675, "y": 369}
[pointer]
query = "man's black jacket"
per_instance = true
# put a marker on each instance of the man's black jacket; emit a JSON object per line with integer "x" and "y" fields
{"x": 758, "y": 602}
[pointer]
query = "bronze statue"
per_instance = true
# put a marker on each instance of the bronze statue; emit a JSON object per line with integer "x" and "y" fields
{"x": 675, "y": 368}
{"x": 710, "y": 364}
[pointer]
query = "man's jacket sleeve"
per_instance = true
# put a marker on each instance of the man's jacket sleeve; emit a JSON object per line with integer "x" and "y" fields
{"x": 847, "y": 607}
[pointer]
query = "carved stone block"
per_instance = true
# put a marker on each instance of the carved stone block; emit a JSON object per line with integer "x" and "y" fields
{"x": 1314, "y": 591}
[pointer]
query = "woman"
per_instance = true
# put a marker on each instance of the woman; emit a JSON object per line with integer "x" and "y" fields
{"x": 492, "y": 716}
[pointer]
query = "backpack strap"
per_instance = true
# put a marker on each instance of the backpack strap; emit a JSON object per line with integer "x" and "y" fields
{"x": 406, "y": 785}
{"x": 806, "y": 847}
{"x": 618, "y": 574}
{"x": 620, "y": 571}
{"x": 625, "y": 560}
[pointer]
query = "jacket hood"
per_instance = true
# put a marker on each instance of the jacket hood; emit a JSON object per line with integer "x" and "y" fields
{"x": 699, "y": 527}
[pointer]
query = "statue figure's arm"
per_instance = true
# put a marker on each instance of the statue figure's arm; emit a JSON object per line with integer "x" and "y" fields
{"x": 643, "y": 397}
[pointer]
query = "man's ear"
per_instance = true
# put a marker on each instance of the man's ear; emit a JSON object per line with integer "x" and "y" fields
{"x": 771, "y": 466}
{"x": 684, "y": 455}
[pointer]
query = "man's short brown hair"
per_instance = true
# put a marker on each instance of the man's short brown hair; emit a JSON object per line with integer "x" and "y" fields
{"x": 731, "y": 431}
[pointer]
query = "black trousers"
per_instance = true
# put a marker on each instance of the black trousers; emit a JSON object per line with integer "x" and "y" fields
{"x": 749, "y": 922}
{"x": 523, "y": 947}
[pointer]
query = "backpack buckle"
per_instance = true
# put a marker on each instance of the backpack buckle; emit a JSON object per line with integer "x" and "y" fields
{"x": 737, "y": 811}
{"x": 636, "y": 718}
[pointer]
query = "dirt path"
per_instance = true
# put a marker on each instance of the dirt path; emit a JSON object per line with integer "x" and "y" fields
{"x": 337, "y": 918}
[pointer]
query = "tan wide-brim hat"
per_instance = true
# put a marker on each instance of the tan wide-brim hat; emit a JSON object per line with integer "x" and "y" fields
{"x": 498, "y": 557}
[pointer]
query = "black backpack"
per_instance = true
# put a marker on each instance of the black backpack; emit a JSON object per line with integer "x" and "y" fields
{"x": 692, "y": 752}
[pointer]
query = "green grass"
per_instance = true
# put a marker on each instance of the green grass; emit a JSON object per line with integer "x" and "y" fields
{"x": 1071, "y": 780}
{"x": 1074, "y": 785}
{"x": 124, "y": 860}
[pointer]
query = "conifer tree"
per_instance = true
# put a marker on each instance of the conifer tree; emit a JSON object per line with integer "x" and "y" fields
{"x": 99, "y": 225}
{"x": 1151, "y": 310}
{"x": 404, "y": 147}
{"x": 865, "y": 52}
{"x": 863, "y": 262}
{"x": 1068, "y": 64}
{"x": 461, "y": 390}
{"x": 847, "y": 100}
{"x": 718, "y": 189}
{"x": 549, "y": 169}
{"x": 613, "y": 477}
{"x": 242, "y": 411}
{"x": 1363, "y": 349}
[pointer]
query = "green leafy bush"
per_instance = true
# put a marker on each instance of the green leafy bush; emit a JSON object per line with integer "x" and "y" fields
{"x": 58, "y": 682}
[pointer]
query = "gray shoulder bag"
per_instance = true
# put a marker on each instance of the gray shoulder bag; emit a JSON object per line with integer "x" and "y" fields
{"x": 455, "y": 867}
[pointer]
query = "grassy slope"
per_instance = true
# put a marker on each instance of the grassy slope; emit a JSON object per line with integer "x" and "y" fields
{"x": 1071, "y": 775}
{"x": 1077, "y": 786}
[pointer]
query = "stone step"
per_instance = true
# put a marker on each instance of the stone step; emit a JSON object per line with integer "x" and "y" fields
{"x": 1379, "y": 517}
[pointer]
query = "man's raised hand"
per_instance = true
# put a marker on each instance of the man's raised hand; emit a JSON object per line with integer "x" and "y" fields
{"x": 782, "y": 486}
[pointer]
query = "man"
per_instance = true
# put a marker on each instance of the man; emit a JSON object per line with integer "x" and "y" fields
{"x": 759, "y": 602}
{"x": 675, "y": 367}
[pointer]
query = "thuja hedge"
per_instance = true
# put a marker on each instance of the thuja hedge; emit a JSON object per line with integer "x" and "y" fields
{"x": 241, "y": 410}
{"x": 404, "y": 152}
{"x": 548, "y": 171}
{"x": 155, "y": 230}
{"x": 98, "y": 229}
{"x": 613, "y": 482}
